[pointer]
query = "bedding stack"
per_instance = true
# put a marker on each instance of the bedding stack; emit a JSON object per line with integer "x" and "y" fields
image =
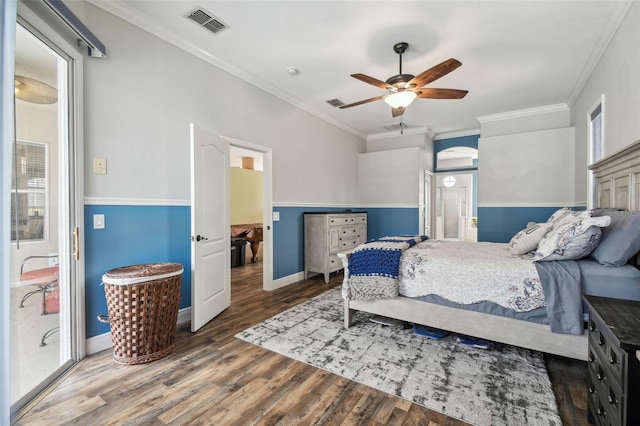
{"x": 373, "y": 267}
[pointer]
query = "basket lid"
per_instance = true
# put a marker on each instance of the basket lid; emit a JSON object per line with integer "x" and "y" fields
{"x": 140, "y": 273}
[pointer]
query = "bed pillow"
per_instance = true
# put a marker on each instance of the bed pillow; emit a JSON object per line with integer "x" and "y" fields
{"x": 572, "y": 240}
{"x": 527, "y": 240}
{"x": 566, "y": 215}
{"x": 620, "y": 240}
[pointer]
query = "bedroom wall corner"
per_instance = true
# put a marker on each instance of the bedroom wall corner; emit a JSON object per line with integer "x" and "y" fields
{"x": 616, "y": 77}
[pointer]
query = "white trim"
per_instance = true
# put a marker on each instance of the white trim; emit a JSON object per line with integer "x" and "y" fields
{"x": 314, "y": 205}
{"x": 103, "y": 341}
{"x": 116, "y": 201}
{"x": 390, "y": 206}
{"x": 598, "y": 50}
{"x": 267, "y": 206}
{"x": 523, "y": 113}
{"x": 457, "y": 134}
{"x": 288, "y": 280}
{"x": 131, "y": 15}
{"x": 560, "y": 203}
{"x": 395, "y": 133}
{"x": 591, "y": 179}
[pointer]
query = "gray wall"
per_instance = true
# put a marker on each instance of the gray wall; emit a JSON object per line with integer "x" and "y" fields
{"x": 140, "y": 99}
{"x": 617, "y": 76}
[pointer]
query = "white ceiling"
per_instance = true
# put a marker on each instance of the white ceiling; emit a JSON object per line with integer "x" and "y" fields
{"x": 516, "y": 54}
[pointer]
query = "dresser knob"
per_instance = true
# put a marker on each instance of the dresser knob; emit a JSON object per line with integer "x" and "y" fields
{"x": 592, "y": 327}
{"x": 600, "y": 411}
{"x": 590, "y": 389}
{"x": 612, "y": 400}
{"x": 601, "y": 341}
{"x": 591, "y": 359}
{"x": 613, "y": 359}
{"x": 599, "y": 376}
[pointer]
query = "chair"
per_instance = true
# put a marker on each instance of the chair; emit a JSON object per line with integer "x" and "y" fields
{"x": 46, "y": 280}
{"x": 51, "y": 305}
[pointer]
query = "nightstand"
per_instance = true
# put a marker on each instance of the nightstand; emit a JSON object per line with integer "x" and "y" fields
{"x": 613, "y": 378}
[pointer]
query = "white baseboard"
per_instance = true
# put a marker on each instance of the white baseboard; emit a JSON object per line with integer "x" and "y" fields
{"x": 288, "y": 280}
{"x": 103, "y": 341}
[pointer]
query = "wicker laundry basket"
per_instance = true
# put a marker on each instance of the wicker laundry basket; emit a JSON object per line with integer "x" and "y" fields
{"x": 142, "y": 304}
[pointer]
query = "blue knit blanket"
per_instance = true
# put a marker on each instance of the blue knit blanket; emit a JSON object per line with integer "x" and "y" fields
{"x": 374, "y": 265}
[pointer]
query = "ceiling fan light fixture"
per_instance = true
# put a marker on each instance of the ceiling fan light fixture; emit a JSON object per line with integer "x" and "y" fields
{"x": 400, "y": 99}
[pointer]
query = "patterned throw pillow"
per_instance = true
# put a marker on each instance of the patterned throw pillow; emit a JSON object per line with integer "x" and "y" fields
{"x": 527, "y": 240}
{"x": 572, "y": 240}
{"x": 565, "y": 215}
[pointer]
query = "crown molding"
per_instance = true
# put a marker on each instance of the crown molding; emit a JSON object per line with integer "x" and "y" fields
{"x": 395, "y": 133}
{"x": 457, "y": 134}
{"x": 129, "y": 14}
{"x": 598, "y": 50}
{"x": 523, "y": 113}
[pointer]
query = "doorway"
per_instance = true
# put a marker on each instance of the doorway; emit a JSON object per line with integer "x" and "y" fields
{"x": 46, "y": 327}
{"x": 456, "y": 207}
{"x": 252, "y": 205}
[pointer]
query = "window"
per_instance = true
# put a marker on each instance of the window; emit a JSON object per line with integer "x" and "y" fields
{"x": 449, "y": 181}
{"x": 28, "y": 191}
{"x": 596, "y": 143}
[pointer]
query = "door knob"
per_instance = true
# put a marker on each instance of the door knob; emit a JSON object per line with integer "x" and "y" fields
{"x": 199, "y": 237}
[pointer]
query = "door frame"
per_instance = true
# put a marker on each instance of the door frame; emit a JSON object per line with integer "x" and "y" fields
{"x": 73, "y": 193}
{"x": 267, "y": 207}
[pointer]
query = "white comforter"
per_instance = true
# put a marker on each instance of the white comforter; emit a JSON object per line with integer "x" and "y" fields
{"x": 468, "y": 273}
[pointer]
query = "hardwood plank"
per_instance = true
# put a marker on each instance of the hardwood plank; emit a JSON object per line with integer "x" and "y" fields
{"x": 214, "y": 378}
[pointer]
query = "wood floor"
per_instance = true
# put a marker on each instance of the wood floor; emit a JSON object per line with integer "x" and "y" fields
{"x": 215, "y": 379}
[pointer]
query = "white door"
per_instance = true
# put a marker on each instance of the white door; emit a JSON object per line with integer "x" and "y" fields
{"x": 210, "y": 227}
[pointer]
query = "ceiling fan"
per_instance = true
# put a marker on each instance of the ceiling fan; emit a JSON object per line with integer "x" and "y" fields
{"x": 404, "y": 88}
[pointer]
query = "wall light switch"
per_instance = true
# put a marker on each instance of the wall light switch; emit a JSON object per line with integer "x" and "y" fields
{"x": 100, "y": 166}
{"x": 98, "y": 221}
{"x": 276, "y": 216}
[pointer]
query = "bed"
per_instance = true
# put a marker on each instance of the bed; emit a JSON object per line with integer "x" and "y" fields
{"x": 618, "y": 192}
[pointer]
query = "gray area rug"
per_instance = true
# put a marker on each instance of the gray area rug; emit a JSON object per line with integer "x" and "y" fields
{"x": 503, "y": 386}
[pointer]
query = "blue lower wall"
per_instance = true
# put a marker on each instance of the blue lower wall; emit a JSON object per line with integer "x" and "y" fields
{"x": 133, "y": 235}
{"x": 149, "y": 234}
{"x": 499, "y": 224}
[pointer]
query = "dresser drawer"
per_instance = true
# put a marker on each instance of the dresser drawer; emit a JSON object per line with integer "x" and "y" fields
{"x": 357, "y": 218}
{"x": 335, "y": 263}
{"x": 602, "y": 345}
{"x": 604, "y": 396}
{"x": 338, "y": 219}
{"x": 346, "y": 244}
{"x": 348, "y": 232}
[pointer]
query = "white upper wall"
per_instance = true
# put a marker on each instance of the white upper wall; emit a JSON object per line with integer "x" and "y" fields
{"x": 140, "y": 99}
{"x": 617, "y": 77}
{"x": 531, "y": 120}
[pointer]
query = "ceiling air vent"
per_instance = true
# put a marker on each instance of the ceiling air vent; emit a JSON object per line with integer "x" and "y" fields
{"x": 335, "y": 102}
{"x": 206, "y": 20}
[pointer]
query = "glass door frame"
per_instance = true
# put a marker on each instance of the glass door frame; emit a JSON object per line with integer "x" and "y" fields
{"x": 71, "y": 189}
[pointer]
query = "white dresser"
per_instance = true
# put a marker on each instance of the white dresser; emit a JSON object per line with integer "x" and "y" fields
{"x": 327, "y": 234}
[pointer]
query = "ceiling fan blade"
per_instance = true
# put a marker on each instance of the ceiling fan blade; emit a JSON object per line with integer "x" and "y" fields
{"x": 397, "y": 112}
{"x": 366, "y": 101}
{"x": 442, "y": 93}
{"x": 373, "y": 81}
{"x": 434, "y": 73}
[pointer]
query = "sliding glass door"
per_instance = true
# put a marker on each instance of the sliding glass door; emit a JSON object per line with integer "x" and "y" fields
{"x": 44, "y": 234}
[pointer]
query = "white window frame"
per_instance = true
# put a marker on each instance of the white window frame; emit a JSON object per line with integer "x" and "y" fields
{"x": 594, "y": 139}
